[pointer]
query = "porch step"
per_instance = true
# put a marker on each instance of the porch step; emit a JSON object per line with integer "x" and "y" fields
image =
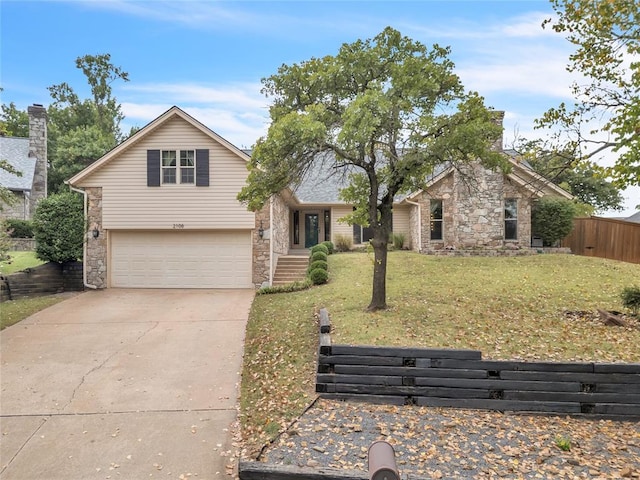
{"x": 290, "y": 268}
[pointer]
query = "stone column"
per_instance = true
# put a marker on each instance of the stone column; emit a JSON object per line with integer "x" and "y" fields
{"x": 38, "y": 150}
{"x": 96, "y": 261}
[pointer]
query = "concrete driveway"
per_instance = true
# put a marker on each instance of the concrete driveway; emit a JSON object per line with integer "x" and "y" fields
{"x": 123, "y": 384}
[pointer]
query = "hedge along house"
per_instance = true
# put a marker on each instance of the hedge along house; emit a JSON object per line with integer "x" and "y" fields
{"x": 162, "y": 211}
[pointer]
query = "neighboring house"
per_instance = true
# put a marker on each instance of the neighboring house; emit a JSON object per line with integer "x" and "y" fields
{"x": 633, "y": 218}
{"x": 29, "y": 157}
{"x": 162, "y": 211}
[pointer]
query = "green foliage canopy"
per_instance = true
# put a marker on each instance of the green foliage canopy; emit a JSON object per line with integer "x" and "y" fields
{"x": 79, "y": 130}
{"x": 384, "y": 111}
{"x": 581, "y": 179}
{"x": 59, "y": 227}
{"x": 606, "y": 34}
{"x": 552, "y": 219}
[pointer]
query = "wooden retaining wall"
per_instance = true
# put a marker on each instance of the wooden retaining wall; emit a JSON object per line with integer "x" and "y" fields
{"x": 46, "y": 279}
{"x": 460, "y": 378}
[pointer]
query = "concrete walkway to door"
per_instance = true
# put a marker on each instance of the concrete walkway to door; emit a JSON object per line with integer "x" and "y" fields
{"x": 125, "y": 384}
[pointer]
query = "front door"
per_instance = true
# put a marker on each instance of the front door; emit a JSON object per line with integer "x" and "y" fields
{"x": 311, "y": 227}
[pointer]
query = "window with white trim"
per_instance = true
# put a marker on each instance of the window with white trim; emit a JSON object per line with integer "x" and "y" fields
{"x": 510, "y": 218}
{"x": 437, "y": 219}
{"x": 178, "y": 166}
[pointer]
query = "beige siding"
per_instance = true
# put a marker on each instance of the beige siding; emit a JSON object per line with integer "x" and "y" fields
{"x": 128, "y": 203}
{"x": 401, "y": 223}
{"x": 340, "y": 228}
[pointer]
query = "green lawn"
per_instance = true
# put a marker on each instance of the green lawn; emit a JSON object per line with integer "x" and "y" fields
{"x": 19, "y": 261}
{"x": 509, "y": 308}
{"x": 13, "y": 311}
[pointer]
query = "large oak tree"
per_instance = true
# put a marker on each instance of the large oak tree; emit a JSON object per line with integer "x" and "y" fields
{"x": 386, "y": 111}
{"x": 606, "y": 34}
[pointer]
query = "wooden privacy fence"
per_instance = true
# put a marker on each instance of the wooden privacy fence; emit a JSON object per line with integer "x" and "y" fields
{"x": 605, "y": 238}
{"x": 460, "y": 378}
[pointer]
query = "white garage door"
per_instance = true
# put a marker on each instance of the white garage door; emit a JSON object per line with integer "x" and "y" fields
{"x": 181, "y": 259}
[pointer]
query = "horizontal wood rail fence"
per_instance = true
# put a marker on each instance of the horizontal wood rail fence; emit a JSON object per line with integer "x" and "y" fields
{"x": 460, "y": 378}
{"x": 605, "y": 238}
{"x": 267, "y": 471}
{"x": 46, "y": 279}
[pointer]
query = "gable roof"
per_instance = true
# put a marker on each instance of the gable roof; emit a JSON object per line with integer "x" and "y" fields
{"x": 633, "y": 218}
{"x": 519, "y": 173}
{"x": 148, "y": 129}
{"x": 16, "y": 153}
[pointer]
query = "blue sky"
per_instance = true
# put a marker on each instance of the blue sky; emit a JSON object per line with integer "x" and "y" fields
{"x": 209, "y": 57}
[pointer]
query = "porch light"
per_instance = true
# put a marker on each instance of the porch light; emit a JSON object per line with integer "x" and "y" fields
{"x": 261, "y": 230}
{"x": 95, "y": 232}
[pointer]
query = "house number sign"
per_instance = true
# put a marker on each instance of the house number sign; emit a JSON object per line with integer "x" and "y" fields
{"x": 178, "y": 226}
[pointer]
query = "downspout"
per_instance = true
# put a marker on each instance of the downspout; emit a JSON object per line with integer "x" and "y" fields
{"x": 84, "y": 244}
{"x": 271, "y": 236}
{"x": 419, "y": 223}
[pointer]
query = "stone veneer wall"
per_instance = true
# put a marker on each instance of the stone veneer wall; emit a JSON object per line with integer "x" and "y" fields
{"x": 414, "y": 225}
{"x": 473, "y": 210}
{"x": 38, "y": 149}
{"x": 280, "y": 226}
{"x": 19, "y": 208}
{"x": 261, "y": 247}
{"x": 96, "y": 251}
{"x": 478, "y": 207}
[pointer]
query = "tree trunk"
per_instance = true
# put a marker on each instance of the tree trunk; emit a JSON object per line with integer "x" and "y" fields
{"x": 379, "y": 293}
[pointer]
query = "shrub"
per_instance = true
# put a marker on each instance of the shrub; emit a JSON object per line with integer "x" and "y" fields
{"x": 318, "y": 276}
{"x": 318, "y": 256}
{"x": 329, "y": 246}
{"x": 398, "y": 240}
{"x": 59, "y": 228}
{"x": 552, "y": 219}
{"x": 19, "y": 228}
{"x": 631, "y": 299}
{"x": 320, "y": 248}
{"x": 344, "y": 243}
{"x": 288, "y": 288}
{"x": 318, "y": 264}
{"x": 5, "y": 244}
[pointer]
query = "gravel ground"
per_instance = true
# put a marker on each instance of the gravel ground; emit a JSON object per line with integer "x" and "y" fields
{"x": 456, "y": 444}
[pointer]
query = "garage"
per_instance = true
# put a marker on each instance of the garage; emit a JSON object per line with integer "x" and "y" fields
{"x": 180, "y": 259}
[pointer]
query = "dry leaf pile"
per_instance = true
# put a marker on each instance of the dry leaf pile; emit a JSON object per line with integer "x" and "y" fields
{"x": 450, "y": 443}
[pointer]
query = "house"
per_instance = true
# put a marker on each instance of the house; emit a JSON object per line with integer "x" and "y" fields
{"x": 635, "y": 218}
{"x": 162, "y": 211}
{"x": 29, "y": 157}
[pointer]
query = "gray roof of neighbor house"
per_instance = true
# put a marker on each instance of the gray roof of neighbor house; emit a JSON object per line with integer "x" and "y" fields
{"x": 633, "y": 218}
{"x": 16, "y": 152}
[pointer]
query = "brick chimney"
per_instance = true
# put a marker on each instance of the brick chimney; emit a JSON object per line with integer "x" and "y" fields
{"x": 38, "y": 149}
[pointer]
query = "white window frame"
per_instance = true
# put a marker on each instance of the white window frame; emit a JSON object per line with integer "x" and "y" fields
{"x": 178, "y": 167}
{"x": 433, "y": 221}
{"x": 513, "y": 220}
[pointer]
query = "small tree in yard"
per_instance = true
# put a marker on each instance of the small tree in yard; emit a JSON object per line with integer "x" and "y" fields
{"x": 388, "y": 109}
{"x": 552, "y": 219}
{"x": 59, "y": 228}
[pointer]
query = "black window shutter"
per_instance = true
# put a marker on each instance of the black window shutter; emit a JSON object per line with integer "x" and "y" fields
{"x": 153, "y": 168}
{"x": 202, "y": 168}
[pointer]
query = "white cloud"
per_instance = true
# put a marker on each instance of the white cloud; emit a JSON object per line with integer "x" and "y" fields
{"x": 191, "y": 13}
{"x": 236, "y": 112}
{"x": 241, "y": 96}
